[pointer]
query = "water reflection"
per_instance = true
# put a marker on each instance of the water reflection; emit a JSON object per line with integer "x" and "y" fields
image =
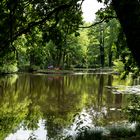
{"x": 40, "y": 133}
{"x": 26, "y": 99}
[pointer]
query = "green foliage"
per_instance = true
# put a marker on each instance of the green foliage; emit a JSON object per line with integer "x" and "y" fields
{"x": 8, "y": 64}
{"x": 118, "y": 66}
{"x": 8, "y": 68}
{"x": 125, "y": 56}
{"x": 133, "y": 109}
{"x": 77, "y": 34}
{"x": 53, "y": 19}
{"x": 31, "y": 120}
{"x": 138, "y": 129}
{"x": 28, "y": 27}
{"x": 90, "y": 135}
{"x": 121, "y": 132}
{"x": 13, "y": 112}
{"x": 102, "y": 48}
{"x": 106, "y": 13}
{"x": 118, "y": 132}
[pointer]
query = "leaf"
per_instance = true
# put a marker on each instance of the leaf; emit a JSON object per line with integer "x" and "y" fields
{"x": 77, "y": 34}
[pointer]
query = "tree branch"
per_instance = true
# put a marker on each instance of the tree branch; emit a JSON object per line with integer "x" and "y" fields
{"x": 42, "y": 21}
{"x": 98, "y": 22}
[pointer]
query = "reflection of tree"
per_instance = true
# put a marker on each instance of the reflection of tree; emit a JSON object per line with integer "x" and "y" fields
{"x": 109, "y": 93}
{"x": 118, "y": 100}
{"x": 28, "y": 98}
{"x": 32, "y": 118}
{"x": 56, "y": 99}
{"x": 114, "y": 102}
{"x": 13, "y": 106}
{"x": 54, "y": 125}
{"x": 10, "y": 117}
{"x": 100, "y": 89}
{"x": 62, "y": 103}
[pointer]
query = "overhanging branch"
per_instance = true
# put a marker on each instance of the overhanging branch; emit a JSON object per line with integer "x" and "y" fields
{"x": 42, "y": 21}
{"x": 98, "y": 22}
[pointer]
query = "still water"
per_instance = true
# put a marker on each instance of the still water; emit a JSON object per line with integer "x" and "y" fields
{"x": 41, "y": 107}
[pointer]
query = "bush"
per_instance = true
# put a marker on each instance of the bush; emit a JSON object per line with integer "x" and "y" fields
{"x": 133, "y": 109}
{"x": 118, "y": 66}
{"x": 90, "y": 135}
{"x": 5, "y": 68}
{"x": 138, "y": 129}
{"x": 121, "y": 132}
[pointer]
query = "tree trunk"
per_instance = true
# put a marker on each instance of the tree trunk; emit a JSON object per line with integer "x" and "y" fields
{"x": 100, "y": 90}
{"x": 110, "y": 57}
{"x": 102, "y": 55}
{"x": 59, "y": 56}
{"x": 102, "y": 59}
{"x": 128, "y": 13}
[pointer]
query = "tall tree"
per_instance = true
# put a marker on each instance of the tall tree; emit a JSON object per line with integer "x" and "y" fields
{"x": 128, "y": 14}
{"x": 19, "y": 17}
{"x": 101, "y": 40}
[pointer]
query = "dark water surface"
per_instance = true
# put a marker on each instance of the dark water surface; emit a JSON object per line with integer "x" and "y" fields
{"x": 40, "y": 107}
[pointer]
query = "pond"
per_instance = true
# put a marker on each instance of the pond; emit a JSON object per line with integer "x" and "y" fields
{"x": 39, "y": 106}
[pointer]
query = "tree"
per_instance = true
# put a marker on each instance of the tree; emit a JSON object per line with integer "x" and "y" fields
{"x": 19, "y": 17}
{"x": 96, "y": 35}
{"x": 103, "y": 38}
{"x": 113, "y": 28}
{"x": 128, "y": 14}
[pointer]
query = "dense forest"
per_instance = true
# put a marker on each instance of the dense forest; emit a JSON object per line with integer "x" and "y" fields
{"x": 52, "y": 34}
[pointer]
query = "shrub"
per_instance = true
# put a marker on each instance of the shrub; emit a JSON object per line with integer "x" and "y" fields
{"x": 118, "y": 66}
{"x": 90, "y": 135}
{"x": 5, "y": 68}
{"x": 133, "y": 109}
{"x": 121, "y": 131}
